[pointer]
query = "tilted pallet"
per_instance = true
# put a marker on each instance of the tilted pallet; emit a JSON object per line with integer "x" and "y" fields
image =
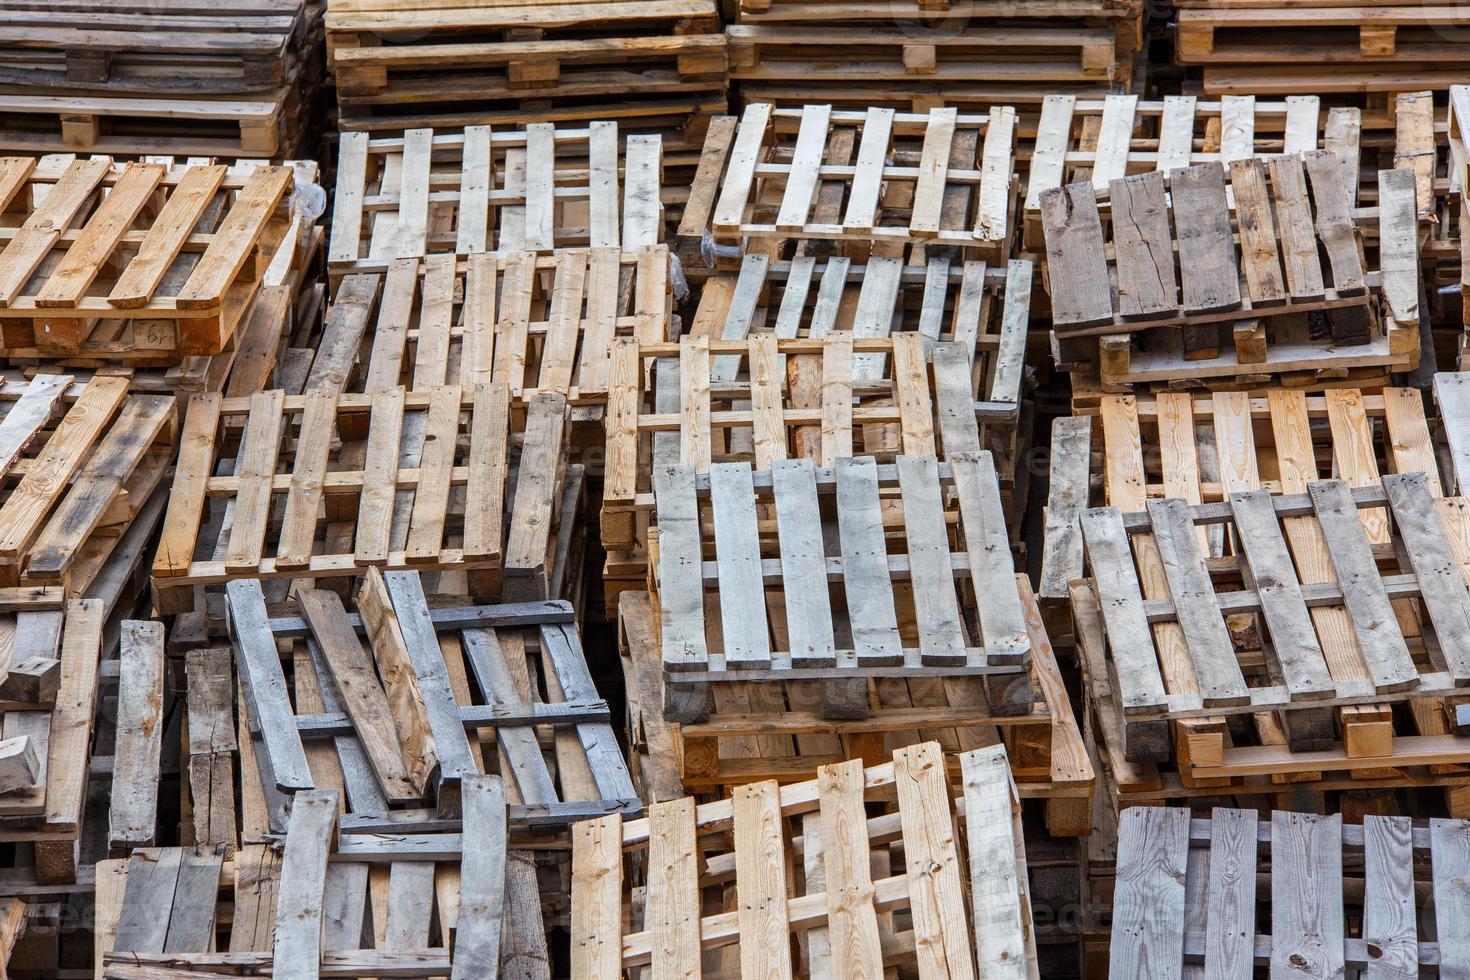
{"x": 844, "y": 917}
{"x": 1381, "y": 895}
{"x": 539, "y": 324}
{"x": 404, "y": 747}
{"x": 869, "y": 178}
{"x": 1101, "y": 140}
{"x": 149, "y": 48}
{"x": 322, "y": 905}
{"x": 659, "y": 62}
{"x": 480, "y": 190}
{"x": 1227, "y": 258}
{"x": 1172, "y": 654}
{"x": 785, "y": 731}
{"x": 172, "y": 251}
{"x": 1202, "y": 447}
{"x": 79, "y": 463}
{"x": 853, "y": 633}
{"x": 418, "y": 479}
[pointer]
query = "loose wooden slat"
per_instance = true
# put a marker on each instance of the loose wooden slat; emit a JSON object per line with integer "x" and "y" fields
{"x": 256, "y": 466}
{"x": 363, "y": 697}
{"x": 1081, "y": 293}
{"x": 740, "y": 173}
{"x": 936, "y": 610}
{"x": 1306, "y": 895}
{"x": 936, "y": 891}
{"x": 1231, "y": 894}
{"x": 760, "y": 882}
{"x": 811, "y": 142}
{"x": 482, "y": 880}
{"x": 597, "y": 881}
{"x": 1208, "y": 273}
{"x": 1388, "y": 897}
{"x": 1210, "y": 648}
{"x": 1067, "y": 495}
{"x": 136, "y": 760}
{"x": 1129, "y": 638}
{"x": 265, "y": 687}
{"x": 1376, "y": 626}
{"x": 681, "y": 597}
{"x": 1292, "y": 634}
{"x": 1146, "y": 281}
{"x": 673, "y": 888}
{"x": 298, "y": 527}
{"x": 742, "y": 590}
{"x": 1148, "y": 899}
{"x": 1450, "y": 849}
{"x": 992, "y": 571}
{"x": 998, "y": 887}
{"x": 808, "y": 610}
{"x": 1258, "y": 250}
{"x": 297, "y": 951}
{"x": 1441, "y": 586}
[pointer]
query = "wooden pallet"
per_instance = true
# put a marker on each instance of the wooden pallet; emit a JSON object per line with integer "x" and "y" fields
{"x": 866, "y": 179}
{"x": 398, "y": 66}
{"x": 1309, "y": 673}
{"x": 860, "y": 637}
{"x": 538, "y": 324}
{"x": 784, "y": 732}
{"x": 534, "y": 190}
{"x": 1415, "y": 33}
{"x": 1230, "y": 261}
{"x": 1202, "y": 447}
{"x": 324, "y": 905}
{"x": 1101, "y": 140}
{"x": 682, "y": 851}
{"x": 1341, "y": 896}
{"x": 78, "y": 466}
{"x": 404, "y": 748}
{"x": 844, "y": 932}
{"x": 141, "y": 47}
{"x": 171, "y": 255}
{"x": 417, "y": 481}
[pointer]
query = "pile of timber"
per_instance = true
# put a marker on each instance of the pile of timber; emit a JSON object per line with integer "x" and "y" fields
{"x": 1343, "y": 50}
{"x": 1244, "y": 625}
{"x": 1190, "y": 278}
{"x": 159, "y": 77}
{"x": 656, "y": 66}
{"x": 817, "y": 180}
{"x": 536, "y": 189}
{"x": 1193, "y": 894}
{"x": 810, "y": 879}
{"x": 914, "y": 55}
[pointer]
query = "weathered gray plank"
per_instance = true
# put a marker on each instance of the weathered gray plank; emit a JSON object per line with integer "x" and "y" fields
{"x": 1306, "y": 895}
{"x": 737, "y": 549}
{"x": 132, "y": 821}
{"x": 936, "y": 609}
{"x": 1230, "y": 929}
{"x": 481, "y": 880}
{"x": 1148, "y": 899}
{"x": 1141, "y": 686}
{"x": 803, "y": 565}
{"x": 297, "y": 951}
{"x": 1389, "y": 925}
{"x": 681, "y": 595}
{"x": 1208, "y": 271}
{"x": 265, "y": 686}
{"x": 992, "y": 569}
{"x": 1449, "y": 842}
{"x": 865, "y": 580}
{"x": 1068, "y": 490}
{"x": 1441, "y": 585}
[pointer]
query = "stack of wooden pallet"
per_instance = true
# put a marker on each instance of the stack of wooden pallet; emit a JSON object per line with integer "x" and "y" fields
{"x": 1208, "y": 276}
{"x": 1344, "y": 50}
{"x": 159, "y": 77}
{"x": 914, "y": 55}
{"x": 1248, "y": 626}
{"x": 656, "y": 66}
